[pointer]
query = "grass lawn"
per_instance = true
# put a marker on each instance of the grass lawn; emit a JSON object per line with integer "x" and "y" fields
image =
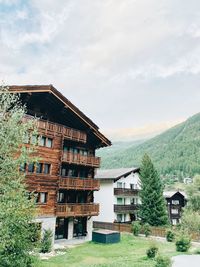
{"x": 131, "y": 251}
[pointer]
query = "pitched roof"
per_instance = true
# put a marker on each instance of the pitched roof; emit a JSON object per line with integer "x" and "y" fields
{"x": 114, "y": 174}
{"x": 169, "y": 194}
{"x": 50, "y": 89}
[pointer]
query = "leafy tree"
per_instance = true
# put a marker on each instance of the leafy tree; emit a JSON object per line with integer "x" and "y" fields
{"x": 191, "y": 215}
{"x": 190, "y": 220}
{"x": 153, "y": 208}
{"x": 16, "y": 207}
{"x": 193, "y": 192}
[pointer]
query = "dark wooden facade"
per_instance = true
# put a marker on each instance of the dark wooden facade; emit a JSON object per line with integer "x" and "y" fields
{"x": 63, "y": 178}
{"x": 175, "y": 203}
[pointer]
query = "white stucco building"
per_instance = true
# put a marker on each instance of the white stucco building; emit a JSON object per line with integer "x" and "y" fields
{"x": 118, "y": 195}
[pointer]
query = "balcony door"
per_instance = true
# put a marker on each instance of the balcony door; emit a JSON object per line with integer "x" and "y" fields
{"x": 61, "y": 231}
{"x": 80, "y": 226}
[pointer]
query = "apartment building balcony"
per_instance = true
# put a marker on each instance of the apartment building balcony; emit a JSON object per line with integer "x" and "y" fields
{"x": 125, "y": 192}
{"x": 78, "y": 183}
{"x": 77, "y": 209}
{"x": 79, "y": 159}
{"x": 125, "y": 208}
{"x": 66, "y": 132}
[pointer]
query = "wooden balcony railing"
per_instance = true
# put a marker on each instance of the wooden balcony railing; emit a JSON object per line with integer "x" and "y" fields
{"x": 67, "y": 132}
{"x": 125, "y": 191}
{"x": 125, "y": 208}
{"x": 70, "y": 157}
{"x": 78, "y": 183}
{"x": 74, "y": 209}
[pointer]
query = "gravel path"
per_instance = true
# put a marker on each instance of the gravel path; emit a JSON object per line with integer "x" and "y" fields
{"x": 186, "y": 261}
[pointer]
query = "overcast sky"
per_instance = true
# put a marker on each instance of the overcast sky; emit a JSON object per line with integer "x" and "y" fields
{"x": 132, "y": 66}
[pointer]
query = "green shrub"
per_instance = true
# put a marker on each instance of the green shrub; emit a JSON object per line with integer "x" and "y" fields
{"x": 35, "y": 232}
{"x": 136, "y": 228}
{"x": 152, "y": 251}
{"x": 147, "y": 229}
{"x": 197, "y": 251}
{"x": 170, "y": 236}
{"x": 46, "y": 243}
{"x": 183, "y": 242}
{"x": 163, "y": 261}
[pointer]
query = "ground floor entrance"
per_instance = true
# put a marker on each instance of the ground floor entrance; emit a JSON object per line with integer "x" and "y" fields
{"x": 80, "y": 226}
{"x": 61, "y": 230}
{"x": 132, "y": 217}
{"x": 67, "y": 228}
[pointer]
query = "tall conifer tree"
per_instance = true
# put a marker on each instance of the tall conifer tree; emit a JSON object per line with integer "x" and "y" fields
{"x": 153, "y": 209}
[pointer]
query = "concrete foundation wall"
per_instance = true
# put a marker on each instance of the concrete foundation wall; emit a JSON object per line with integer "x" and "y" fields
{"x": 47, "y": 223}
{"x": 70, "y": 228}
{"x": 89, "y": 228}
{"x": 50, "y": 223}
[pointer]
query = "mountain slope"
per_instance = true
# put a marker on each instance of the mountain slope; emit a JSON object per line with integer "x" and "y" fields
{"x": 176, "y": 151}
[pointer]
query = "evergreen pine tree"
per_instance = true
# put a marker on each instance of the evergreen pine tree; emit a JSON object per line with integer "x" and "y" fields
{"x": 153, "y": 209}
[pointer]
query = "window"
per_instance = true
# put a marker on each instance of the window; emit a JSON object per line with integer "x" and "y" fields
{"x": 70, "y": 172}
{"x": 47, "y": 168}
{"x": 134, "y": 201}
{"x": 22, "y": 167}
{"x": 60, "y": 197}
{"x": 37, "y": 197}
{"x": 85, "y": 153}
{"x": 174, "y": 211}
{"x": 39, "y": 168}
{"x": 64, "y": 172}
{"x": 82, "y": 173}
{"x": 42, "y": 141}
{"x": 31, "y": 167}
{"x": 119, "y": 201}
{"x": 65, "y": 149}
{"x": 49, "y": 142}
{"x": 119, "y": 185}
{"x": 119, "y": 217}
{"x": 26, "y": 138}
{"x": 175, "y": 202}
{"x": 75, "y": 151}
{"x": 34, "y": 139}
{"x": 133, "y": 186}
{"x": 174, "y": 221}
{"x": 43, "y": 197}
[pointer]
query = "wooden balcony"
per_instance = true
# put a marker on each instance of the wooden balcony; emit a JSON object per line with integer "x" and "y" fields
{"x": 125, "y": 208}
{"x": 125, "y": 191}
{"x": 78, "y": 159}
{"x": 78, "y": 183}
{"x": 68, "y": 133}
{"x": 74, "y": 209}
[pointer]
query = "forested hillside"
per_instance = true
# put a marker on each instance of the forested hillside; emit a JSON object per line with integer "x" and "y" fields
{"x": 176, "y": 151}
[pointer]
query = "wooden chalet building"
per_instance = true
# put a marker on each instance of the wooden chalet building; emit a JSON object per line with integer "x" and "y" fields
{"x": 64, "y": 177}
{"x": 175, "y": 201}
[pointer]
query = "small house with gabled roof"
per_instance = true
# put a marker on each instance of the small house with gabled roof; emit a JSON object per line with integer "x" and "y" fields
{"x": 176, "y": 201}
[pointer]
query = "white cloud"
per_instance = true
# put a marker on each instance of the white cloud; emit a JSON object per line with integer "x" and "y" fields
{"x": 111, "y": 57}
{"x": 146, "y": 131}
